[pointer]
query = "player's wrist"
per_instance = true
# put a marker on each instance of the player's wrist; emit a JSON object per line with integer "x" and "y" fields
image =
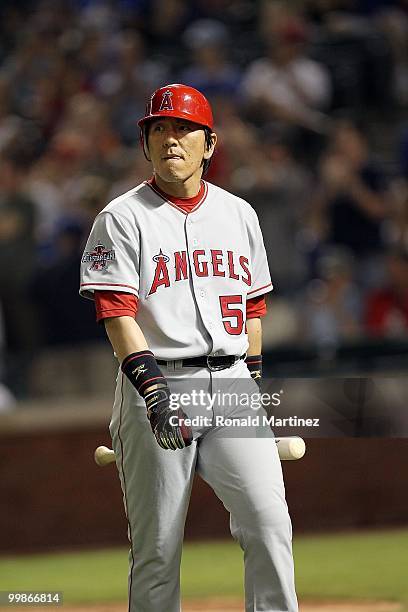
{"x": 254, "y": 365}
{"x": 143, "y": 372}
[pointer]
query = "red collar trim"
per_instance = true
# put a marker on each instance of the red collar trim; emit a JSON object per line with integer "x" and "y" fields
{"x": 184, "y": 205}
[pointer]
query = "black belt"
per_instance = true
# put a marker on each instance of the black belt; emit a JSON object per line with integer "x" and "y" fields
{"x": 211, "y": 362}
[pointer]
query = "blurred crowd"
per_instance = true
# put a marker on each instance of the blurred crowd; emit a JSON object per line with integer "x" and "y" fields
{"x": 310, "y": 99}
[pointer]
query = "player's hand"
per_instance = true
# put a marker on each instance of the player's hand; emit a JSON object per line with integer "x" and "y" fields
{"x": 168, "y": 435}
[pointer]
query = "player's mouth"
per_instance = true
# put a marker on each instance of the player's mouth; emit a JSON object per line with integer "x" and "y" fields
{"x": 172, "y": 156}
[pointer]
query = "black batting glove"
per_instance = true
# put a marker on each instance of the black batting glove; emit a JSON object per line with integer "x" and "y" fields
{"x": 254, "y": 364}
{"x": 143, "y": 372}
{"x": 167, "y": 425}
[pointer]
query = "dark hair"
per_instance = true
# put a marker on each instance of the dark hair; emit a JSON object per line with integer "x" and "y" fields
{"x": 208, "y": 143}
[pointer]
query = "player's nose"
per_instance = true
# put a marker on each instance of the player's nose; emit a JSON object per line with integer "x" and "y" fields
{"x": 170, "y": 130}
{"x": 169, "y": 136}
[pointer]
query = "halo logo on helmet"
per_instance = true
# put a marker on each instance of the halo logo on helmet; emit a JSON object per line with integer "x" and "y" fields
{"x": 166, "y": 103}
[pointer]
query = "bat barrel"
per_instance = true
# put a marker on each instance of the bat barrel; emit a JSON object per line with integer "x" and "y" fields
{"x": 104, "y": 455}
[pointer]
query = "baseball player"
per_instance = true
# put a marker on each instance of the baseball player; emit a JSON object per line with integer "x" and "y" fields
{"x": 178, "y": 272}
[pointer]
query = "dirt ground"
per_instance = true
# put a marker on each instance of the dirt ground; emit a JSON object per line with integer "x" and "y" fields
{"x": 224, "y": 605}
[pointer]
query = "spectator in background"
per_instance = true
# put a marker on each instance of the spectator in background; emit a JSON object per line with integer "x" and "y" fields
{"x": 207, "y": 41}
{"x": 64, "y": 319}
{"x": 393, "y": 22}
{"x": 36, "y": 72}
{"x": 93, "y": 193}
{"x": 130, "y": 168}
{"x": 87, "y": 118}
{"x": 43, "y": 186}
{"x": 84, "y": 143}
{"x": 286, "y": 85}
{"x": 350, "y": 205}
{"x": 397, "y": 226}
{"x": 352, "y": 44}
{"x": 127, "y": 82}
{"x": 403, "y": 151}
{"x": 280, "y": 192}
{"x": 168, "y": 18}
{"x": 9, "y": 122}
{"x": 331, "y": 312}
{"x": 386, "y": 309}
{"x": 17, "y": 254}
{"x": 7, "y": 401}
{"x": 237, "y": 148}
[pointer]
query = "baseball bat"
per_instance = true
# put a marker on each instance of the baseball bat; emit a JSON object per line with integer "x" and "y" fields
{"x": 289, "y": 449}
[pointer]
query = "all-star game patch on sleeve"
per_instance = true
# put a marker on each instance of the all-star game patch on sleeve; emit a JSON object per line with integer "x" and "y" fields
{"x": 260, "y": 279}
{"x": 110, "y": 261}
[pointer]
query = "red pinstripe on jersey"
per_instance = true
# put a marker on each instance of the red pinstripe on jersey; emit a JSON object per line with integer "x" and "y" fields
{"x": 108, "y": 285}
{"x": 259, "y": 288}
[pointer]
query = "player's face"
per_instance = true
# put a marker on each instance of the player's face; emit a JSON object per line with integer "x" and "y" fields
{"x": 177, "y": 148}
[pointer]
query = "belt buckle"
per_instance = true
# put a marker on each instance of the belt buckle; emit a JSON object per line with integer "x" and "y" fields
{"x": 222, "y": 366}
{"x": 214, "y": 368}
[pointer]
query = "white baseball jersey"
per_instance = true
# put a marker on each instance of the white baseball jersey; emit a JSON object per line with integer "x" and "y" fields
{"x": 191, "y": 272}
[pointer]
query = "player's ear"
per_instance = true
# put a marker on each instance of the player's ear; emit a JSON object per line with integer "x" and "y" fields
{"x": 210, "y": 142}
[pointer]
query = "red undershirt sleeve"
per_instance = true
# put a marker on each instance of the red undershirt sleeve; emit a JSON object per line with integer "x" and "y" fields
{"x": 121, "y": 304}
{"x": 256, "y": 307}
{"x": 114, "y": 304}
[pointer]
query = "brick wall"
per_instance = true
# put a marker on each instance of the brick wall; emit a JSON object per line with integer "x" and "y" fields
{"x": 52, "y": 495}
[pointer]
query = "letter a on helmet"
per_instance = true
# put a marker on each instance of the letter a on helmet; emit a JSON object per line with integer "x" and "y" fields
{"x": 166, "y": 101}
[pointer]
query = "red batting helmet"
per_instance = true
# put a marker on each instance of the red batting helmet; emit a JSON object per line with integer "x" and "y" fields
{"x": 181, "y": 102}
